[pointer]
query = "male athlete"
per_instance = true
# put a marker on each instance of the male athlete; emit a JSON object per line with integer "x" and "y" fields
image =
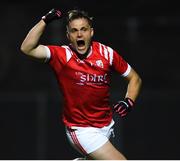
{"x": 82, "y": 69}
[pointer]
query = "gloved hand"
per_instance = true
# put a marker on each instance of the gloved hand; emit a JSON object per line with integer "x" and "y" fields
{"x": 52, "y": 15}
{"x": 123, "y": 107}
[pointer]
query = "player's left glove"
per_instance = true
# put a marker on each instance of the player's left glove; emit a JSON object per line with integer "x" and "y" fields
{"x": 124, "y": 107}
{"x": 52, "y": 15}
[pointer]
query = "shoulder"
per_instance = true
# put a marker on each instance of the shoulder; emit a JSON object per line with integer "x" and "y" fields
{"x": 104, "y": 50}
{"x": 55, "y": 48}
{"x": 100, "y": 46}
{"x": 62, "y": 53}
{"x": 60, "y": 50}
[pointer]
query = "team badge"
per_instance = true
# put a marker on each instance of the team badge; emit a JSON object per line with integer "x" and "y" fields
{"x": 99, "y": 63}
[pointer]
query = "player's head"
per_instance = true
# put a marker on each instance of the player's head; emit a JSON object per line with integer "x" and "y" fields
{"x": 76, "y": 14}
{"x": 79, "y": 30}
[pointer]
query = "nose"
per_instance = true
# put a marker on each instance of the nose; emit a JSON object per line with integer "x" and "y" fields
{"x": 79, "y": 33}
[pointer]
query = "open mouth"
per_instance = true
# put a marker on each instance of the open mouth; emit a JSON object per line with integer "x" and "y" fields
{"x": 80, "y": 43}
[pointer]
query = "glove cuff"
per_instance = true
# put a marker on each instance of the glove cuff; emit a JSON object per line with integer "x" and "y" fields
{"x": 44, "y": 19}
{"x": 51, "y": 15}
{"x": 130, "y": 102}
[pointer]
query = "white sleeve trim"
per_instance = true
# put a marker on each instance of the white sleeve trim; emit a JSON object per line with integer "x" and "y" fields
{"x": 68, "y": 53}
{"x": 127, "y": 71}
{"x": 48, "y": 54}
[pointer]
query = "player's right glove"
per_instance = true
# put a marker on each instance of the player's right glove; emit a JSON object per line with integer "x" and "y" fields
{"x": 124, "y": 107}
{"x": 52, "y": 15}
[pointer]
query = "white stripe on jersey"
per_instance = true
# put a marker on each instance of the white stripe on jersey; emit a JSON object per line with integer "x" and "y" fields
{"x": 48, "y": 54}
{"x": 107, "y": 52}
{"x": 127, "y": 71}
{"x": 100, "y": 48}
{"x": 68, "y": 53}
{"x": 110, "y": 50}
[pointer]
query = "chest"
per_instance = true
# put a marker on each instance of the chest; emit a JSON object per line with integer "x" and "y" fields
{"x": 89, "y": 71}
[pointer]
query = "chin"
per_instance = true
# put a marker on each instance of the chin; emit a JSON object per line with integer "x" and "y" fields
{"x": 81, "y": 52}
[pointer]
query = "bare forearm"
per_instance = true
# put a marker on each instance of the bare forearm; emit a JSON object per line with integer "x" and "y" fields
{"x": 133, "y": 88}
{"x": 32, "y": 38}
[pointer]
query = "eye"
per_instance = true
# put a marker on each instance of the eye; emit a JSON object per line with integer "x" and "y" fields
{"x": 73, "y": 30}
{"x": 84, "y": 29}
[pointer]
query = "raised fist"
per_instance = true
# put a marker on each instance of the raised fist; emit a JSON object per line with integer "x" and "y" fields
{"x": 52, "y": 15}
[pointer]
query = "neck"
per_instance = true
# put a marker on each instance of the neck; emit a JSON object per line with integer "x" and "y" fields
{"x": 81, "y": 56}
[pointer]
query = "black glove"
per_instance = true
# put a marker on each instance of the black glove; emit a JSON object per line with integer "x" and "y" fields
{"x": 124, "y": 107}
{"x": 52, "y": 15}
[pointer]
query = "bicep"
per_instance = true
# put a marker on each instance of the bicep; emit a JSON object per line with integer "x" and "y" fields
{"x": 131, "y": 74}
{"x": 41, "y": 52}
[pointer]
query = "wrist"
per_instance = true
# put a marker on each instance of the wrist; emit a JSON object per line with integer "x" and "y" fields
{"x": 45, "y": 20}
{"x": 42, "y": 22}
{"x": 129, "y": 101}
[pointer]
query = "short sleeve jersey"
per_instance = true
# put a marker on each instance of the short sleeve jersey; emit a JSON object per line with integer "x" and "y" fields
{"x": 85, "y": 83}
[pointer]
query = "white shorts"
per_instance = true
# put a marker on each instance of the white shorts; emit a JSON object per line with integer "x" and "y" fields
{"x": 88, "y": 139}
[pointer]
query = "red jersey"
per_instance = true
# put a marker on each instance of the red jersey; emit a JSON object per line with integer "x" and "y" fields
{"x": 85, "y": 83}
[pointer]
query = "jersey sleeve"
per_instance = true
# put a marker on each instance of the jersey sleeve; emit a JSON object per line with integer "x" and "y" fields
{"x": 120, "y": 65}
{"x": 56, "y": 56}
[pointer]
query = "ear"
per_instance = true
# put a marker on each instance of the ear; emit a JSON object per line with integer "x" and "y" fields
{"x": 92, "y": 32}
{"x": 67, "y": 35}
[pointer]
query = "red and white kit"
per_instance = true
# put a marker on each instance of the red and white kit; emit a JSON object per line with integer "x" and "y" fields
{"x": 85, "y": 83}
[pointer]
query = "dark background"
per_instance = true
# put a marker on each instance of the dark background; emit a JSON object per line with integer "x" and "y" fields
{"x": 145, "y": 33}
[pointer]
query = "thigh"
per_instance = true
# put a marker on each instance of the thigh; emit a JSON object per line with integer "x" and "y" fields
{"x": 107, "y": 152}
{"x": 88, "y": 139}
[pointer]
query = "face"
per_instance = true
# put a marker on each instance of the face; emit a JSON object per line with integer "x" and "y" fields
{"x": 80, "y": 33}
